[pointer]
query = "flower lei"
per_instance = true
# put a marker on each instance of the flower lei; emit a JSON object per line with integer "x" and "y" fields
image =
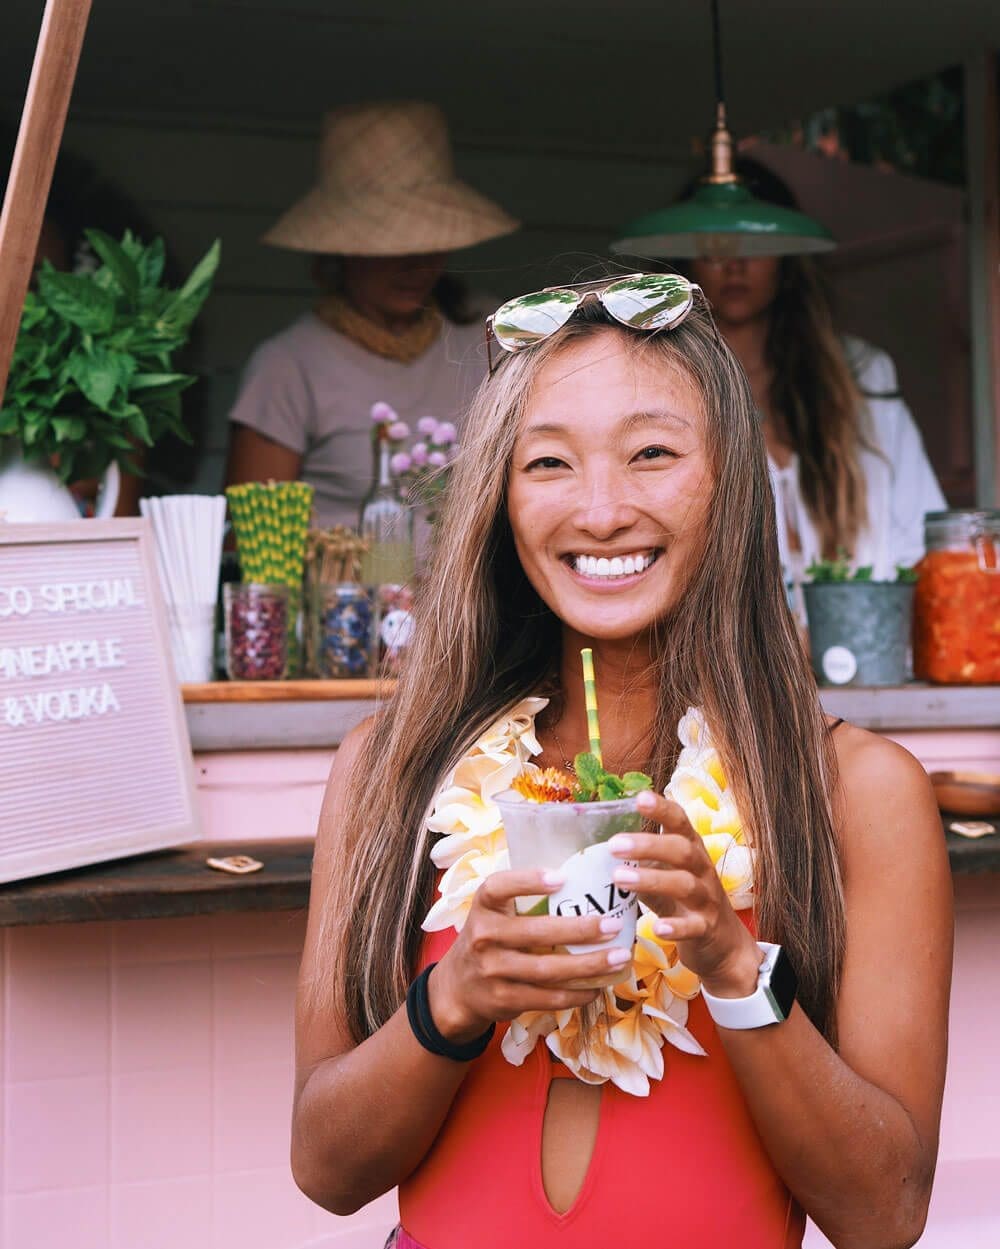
{"x": 624, "y": 1042}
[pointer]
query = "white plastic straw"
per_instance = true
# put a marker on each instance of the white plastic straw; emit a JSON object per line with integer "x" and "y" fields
{"x": 187, "y": 531}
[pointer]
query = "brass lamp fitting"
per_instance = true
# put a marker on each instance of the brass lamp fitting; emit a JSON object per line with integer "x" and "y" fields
{"x": 721, "y": 150}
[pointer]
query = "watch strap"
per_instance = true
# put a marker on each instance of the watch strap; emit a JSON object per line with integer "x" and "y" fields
{"x": 770, "y": 1003}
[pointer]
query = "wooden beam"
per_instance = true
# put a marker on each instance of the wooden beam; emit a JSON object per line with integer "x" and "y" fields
{"x": 982, "y": 136}
{"x": 991, "y": 212}
{"x": 60, "y": 39}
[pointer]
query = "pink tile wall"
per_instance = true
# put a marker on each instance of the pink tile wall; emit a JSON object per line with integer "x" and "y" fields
{"x": 147, "y": 1071}
{"x": 146, "y": 1091}
{"x": 278, "y": 793}
{"x": 975, "y": 750}
{"x": 147, "y": 1066}
{"x": 261, "y": 793}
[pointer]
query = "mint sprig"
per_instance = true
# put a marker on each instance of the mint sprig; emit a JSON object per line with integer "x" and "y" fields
{"x": 595, "y": 784}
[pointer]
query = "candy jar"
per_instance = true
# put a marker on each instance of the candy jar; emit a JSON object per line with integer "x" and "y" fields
{"x": 345, "y": 631}
{"x": 256, "y": 618}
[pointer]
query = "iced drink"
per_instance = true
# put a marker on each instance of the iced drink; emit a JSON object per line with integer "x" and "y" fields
{"x": 571, "y": 837}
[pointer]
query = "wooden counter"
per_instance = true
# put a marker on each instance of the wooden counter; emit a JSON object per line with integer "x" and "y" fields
{"x": 301, "y": 722}
{"x": 178, "y": 882}
{"x": 286, "y": 691}
{"x": 165, "y": 884}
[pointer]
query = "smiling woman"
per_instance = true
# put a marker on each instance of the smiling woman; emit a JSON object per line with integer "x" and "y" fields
{"x": 609, "y": 514}
{"x": 613, "y": 493}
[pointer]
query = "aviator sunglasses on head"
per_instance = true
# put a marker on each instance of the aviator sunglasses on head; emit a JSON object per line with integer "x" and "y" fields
{"x": 639, "y": 301}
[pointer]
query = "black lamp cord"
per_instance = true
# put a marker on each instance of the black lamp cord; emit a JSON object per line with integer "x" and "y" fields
{"x": 717, "y": 52}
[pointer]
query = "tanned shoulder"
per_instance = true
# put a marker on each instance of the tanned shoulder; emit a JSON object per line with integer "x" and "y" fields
{"x": 885, "y": 806}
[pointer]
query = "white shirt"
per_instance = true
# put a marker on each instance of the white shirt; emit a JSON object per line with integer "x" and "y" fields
{"x": 899, "y": 480}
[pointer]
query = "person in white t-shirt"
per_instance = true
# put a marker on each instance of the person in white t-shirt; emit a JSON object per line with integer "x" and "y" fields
{"x": 380, "y": 223}
{"x": 847, "y": 461}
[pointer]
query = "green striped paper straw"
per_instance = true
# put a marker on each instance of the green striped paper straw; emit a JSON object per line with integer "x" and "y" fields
{"x": 590, "y": 699}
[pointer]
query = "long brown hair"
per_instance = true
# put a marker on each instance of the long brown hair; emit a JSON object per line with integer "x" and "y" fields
{"x": 816, "y": 398}
{"x": 484, "y": 640}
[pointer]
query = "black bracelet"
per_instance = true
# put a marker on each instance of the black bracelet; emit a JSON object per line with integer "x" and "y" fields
{"x": 418, "y": 1012}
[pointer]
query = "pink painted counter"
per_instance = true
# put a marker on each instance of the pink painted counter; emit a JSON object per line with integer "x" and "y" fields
{"x": 147, "y": 1063}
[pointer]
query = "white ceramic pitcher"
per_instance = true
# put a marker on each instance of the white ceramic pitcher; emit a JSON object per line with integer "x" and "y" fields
{"x": 32, "y": 492}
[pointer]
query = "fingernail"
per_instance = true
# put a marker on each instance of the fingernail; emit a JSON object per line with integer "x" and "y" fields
{"x": 610, "y": 924}
{"x": 619, "y": 844}
{"x": 553, "y": 879}
{"x": 663, "y": 928}
{"x": 618, "y": 956}
{"x": 626, "y": 876}
{"x": 645, "y": 801}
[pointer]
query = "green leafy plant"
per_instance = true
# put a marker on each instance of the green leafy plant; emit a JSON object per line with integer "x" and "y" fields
{"x": 828, "y": 571}
{"x": 594, "y": 784}
{"x": 91, "y": 377}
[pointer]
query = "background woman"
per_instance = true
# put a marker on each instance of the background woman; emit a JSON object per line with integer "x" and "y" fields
{"x": 849, "y": 467}
{"x": 389, "y": 326}
{"x": 643, "y": 450}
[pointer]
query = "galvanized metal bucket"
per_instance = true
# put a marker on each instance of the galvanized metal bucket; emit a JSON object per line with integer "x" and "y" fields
{"x": 860, "y": 632}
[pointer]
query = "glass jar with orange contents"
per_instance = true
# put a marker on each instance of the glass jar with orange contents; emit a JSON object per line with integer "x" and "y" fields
{"x": 956, "y": 625}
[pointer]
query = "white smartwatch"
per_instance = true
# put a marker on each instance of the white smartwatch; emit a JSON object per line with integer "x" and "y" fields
{"x": 771, "y": 1002}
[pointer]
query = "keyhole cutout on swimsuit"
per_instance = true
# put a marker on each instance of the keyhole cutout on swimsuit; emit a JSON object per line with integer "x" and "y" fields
{"x": 569, "y": 1135}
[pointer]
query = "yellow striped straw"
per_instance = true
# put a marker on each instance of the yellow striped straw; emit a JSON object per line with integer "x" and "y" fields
{"x": 590, "y": 698}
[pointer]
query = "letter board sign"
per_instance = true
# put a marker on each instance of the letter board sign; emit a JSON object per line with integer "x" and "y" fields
{"x": 95, "y": 761}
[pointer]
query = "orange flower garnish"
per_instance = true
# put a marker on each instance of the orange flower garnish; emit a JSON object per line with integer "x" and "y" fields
{"x": 552, "y": 785}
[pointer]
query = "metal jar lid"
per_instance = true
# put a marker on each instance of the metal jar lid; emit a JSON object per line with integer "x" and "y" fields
{"x": 978, "y": 528}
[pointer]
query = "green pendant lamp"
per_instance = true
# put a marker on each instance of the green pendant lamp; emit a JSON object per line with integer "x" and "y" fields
{"x": 722, "y": 219}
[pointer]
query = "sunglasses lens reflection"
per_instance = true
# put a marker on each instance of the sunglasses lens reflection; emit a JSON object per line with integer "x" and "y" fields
{"x": 651, "y": 302}
{"x": 524, "y": 321}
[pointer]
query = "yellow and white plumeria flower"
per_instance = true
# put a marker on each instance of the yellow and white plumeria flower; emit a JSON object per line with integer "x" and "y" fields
{"x": 473, "y": 844}
{"x": 700, "y": 786}
{"x": 619, "y": 1038}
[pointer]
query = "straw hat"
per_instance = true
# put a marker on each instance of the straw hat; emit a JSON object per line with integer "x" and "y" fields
{"x": 387, "y": 187}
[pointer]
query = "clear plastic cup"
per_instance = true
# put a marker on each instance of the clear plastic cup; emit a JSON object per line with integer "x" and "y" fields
{"x": 192, "y": 640}
{"x": 571, "y": 837}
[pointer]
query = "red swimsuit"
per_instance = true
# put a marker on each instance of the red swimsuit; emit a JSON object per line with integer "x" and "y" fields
{"x": 682, "y": 1167}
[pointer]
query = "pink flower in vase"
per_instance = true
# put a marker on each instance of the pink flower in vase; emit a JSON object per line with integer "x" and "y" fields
{"x": 383, "y": 414}
{"x": 419, "y": 454}
{"x": 427, "y": 425}
{"x": 398, "y": 430}
{"x": 437, "y": 459}
{"x": 400, "y": 463}
{"x": 445, "y": 434}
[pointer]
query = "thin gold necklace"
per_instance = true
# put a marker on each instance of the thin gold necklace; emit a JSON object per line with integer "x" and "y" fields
{"x": 569, "y": 766}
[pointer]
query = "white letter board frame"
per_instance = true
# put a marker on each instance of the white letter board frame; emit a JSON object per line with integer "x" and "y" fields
{"x": 115, "y": 781}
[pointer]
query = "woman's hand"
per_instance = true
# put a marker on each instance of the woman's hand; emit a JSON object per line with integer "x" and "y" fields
{"x": 677, "y": 880}
{"x": 502, "y": 964}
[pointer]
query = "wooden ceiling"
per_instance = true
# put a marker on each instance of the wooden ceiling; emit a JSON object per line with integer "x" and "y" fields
{"x": 618, "y": 77}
